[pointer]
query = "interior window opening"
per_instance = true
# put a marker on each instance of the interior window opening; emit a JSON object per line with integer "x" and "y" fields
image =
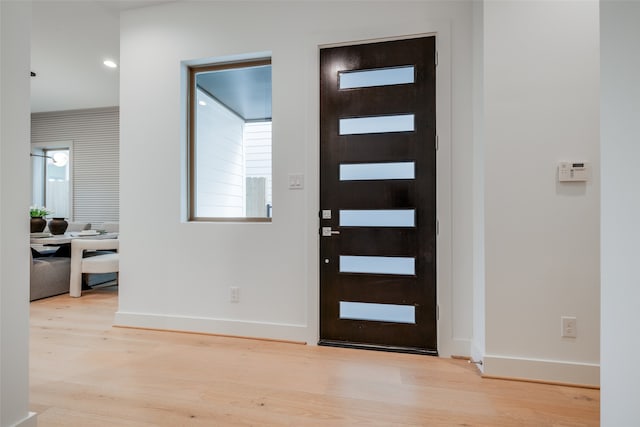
{"x": 230, "y": 142}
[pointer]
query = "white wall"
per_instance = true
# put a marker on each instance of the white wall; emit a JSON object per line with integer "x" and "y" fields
{"x": 620, "y": 149}
{"x": 541, "y": 106}
{"x": 478, "y": 340}
{"x": 15, "y": 27}
{"x": 180, "y": 278}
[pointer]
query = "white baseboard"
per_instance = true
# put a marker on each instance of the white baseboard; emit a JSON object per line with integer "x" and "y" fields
{"x": 553, "y": 371}
{"x": 477, "y": 355}
{"x": 248, "y": 329}
{"x": 453, "y": 347}
{"x": 30, "y": 421}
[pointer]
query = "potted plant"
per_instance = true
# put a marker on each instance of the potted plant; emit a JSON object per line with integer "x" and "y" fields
{"x": 38, "y": 223}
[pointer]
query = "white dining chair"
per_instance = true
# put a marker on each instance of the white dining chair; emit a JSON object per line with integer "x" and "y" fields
{"x": 103, "y": 263}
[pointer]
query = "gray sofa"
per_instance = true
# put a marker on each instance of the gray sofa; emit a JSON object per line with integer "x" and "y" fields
{"x": 49, "y": 276}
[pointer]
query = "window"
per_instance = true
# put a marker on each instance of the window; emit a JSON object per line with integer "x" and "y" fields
{"x": 51, "y": 172}
{"x": 230, "y": 142}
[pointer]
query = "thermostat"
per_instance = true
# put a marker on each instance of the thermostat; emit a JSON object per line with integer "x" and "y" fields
{"x": 568, "y": 171}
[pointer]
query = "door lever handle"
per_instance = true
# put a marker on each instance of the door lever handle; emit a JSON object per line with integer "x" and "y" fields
{"x": 328, "y": 232}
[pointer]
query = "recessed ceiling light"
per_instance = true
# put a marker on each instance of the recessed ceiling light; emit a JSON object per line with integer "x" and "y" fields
{"x": 109, "y": 63}
{"x": 202, "y": 103}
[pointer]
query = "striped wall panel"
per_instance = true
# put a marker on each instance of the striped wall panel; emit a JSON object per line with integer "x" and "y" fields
{"x": 96, "y": 157}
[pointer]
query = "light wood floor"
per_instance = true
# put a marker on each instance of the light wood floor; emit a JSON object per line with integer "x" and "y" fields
{"x": 86, "y": 373}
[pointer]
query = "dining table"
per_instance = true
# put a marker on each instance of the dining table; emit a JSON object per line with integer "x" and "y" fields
{"x": 48, "y": 239}
{"x": 47, "y": 242}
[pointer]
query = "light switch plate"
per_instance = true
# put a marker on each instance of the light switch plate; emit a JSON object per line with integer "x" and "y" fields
{"x": 296, "y": 181}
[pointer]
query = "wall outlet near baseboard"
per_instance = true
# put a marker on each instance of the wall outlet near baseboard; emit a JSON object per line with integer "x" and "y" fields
{"x": 569, "y": 327}
{"x": 234, "y": 294}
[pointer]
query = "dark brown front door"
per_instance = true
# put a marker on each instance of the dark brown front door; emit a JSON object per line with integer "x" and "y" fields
{"x": 378, "y": 196}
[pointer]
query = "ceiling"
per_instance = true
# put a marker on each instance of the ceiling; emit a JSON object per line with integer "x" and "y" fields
{"x": 245, "y": 91}
{"x": 69, "y": 42}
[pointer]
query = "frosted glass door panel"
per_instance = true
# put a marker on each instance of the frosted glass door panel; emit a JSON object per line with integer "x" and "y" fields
{"x": 377, "y": 265}
{"x": 378, "y": 218}
{"x": 378, "y": 77}
{"x": 377, "y": 312}
{"x": 377, "y": 124}
{"x": 372, "y": 171}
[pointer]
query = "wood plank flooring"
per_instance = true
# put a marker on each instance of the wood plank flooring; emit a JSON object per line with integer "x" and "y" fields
{"x": 86, "y": 373}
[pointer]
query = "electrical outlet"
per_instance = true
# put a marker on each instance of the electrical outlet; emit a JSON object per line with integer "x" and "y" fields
{"x": 569, "y": 327}
{"x": 234, "y": 294}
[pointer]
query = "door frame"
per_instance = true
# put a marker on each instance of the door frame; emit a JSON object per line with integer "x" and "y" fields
{"x": 448, "y": 344}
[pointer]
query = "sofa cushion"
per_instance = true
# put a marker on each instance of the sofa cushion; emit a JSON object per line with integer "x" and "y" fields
{"x": 79, "y": 226}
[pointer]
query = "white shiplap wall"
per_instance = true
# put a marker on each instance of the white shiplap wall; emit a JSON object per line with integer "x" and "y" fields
{"x": 220, "y": 160}
{"x": 96, "y": 151}
{"x": 257, "y": 146}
